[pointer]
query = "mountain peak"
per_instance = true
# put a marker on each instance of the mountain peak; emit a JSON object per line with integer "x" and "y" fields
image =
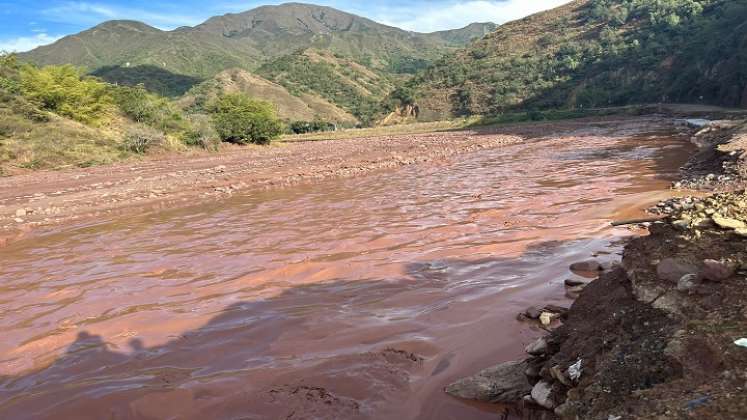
{"x": 128, "y": 25}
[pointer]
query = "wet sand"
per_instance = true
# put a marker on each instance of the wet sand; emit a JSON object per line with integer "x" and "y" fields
{"x": 345, "y": 298}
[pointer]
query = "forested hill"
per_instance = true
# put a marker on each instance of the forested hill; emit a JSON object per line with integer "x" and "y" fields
{"x": 592, "y": 53}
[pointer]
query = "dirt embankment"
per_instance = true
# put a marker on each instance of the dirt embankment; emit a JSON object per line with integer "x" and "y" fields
{"x": 663, "y": 334}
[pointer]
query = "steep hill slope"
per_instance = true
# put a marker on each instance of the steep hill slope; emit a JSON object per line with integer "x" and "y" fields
{"x": 303, "y": 107}
{"x": 592, "y": 53}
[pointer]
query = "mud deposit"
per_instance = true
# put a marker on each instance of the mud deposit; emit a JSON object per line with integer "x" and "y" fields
{"x": 348, "y": 298}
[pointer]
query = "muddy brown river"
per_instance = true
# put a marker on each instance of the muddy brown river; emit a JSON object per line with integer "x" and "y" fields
{"x": 348, "y": 298}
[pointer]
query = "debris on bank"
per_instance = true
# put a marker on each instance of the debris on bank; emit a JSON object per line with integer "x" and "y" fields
{"x": 661, "y": 336}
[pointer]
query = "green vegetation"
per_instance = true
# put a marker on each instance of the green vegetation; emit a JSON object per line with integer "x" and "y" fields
{"x": 305, "y": 127}
{"x": 57, "y": 116}
{"x": 65, "y": 91}
{"x": 240, "y": 119}
{"x": 357, "y": 90}
{"x": 594, "y": 53}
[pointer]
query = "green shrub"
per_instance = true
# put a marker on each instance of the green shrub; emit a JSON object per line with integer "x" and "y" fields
{"x": 202, "y": 134}
{"x": 65, "y": 91}
{"x": 303, "y": 127}
{"x": 150, "y": 109}
{"x": 141, "y": 138}
{"x": 240, "y": 119}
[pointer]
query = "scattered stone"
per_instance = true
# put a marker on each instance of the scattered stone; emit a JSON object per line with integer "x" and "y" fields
{"x": 587, "y": 266}
{"x": 672, "y": 269}
{"x": 533, "y": 371}
{"x": 537, "y": 348}
{"x": 728, "y": 223}
{"x": 574, "y": 282}
{"x": 20, "y": 212}
{"x": 532, "y": 313}
{"x": 687, "y": 283}
{"x": 717, "y": 270}
{"x": 557, "y": 373}
{"x": 542, "y": 395}
{"x": 742, "y": 342}
{"x": 561, "y": 310}
{"x": 546, "y": 318}
{"x": 504, "y": 383}
{"x": 18, "y": 220}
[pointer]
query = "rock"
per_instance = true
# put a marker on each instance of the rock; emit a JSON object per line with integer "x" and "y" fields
{"x": 546, "y": 318}
{"x": 575, "y": 370}
{"x": 717, "y": 270}
{"x": 687, "y": 283}
{"x": 533, "y": 371}
{"x": 586, "y": 266}
{"x": 574, "y": 282}
{"x": 18, "y": 220}
{"x": 562, "y": 310}
{"x": 542, "y": 395}
{"x": 566, "y": 410}
{"x": 557, "y": 373}
{"x": 741, "y": 232}
{"x": 672, "y": 269}
{"x": 533, "y": 313}
{"x": 728, "y": 223}
{"x": 537, "y": 348}
{"x": 504, "y": 383}
{"x": 21, "y": 213}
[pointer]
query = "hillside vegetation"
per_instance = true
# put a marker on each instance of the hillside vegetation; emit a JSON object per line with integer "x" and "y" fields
{"x": 56, "y": 116}
{"x": 592, "y": 53}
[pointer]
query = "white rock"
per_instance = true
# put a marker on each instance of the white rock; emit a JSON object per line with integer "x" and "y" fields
{"x": 542, "y": 395}
{"x": 575, "y": 370}
{"x": 537, "y": 348}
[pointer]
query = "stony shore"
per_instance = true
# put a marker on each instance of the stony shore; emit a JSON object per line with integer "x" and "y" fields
{"x": 662, "y": 334}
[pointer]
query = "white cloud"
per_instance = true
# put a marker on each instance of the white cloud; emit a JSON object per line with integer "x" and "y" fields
{"x": 87, "y": 13}
{"x": 438, "y": 16}
{"x": 26, "y": 43}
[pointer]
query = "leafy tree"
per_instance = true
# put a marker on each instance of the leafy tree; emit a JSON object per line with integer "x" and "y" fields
{"x": 150, "y": 109}
{"x": 240, "y": 119}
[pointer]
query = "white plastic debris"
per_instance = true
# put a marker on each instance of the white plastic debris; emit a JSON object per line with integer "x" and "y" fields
{"x": 742, "y": 342}
{"x": 574, "y": 371}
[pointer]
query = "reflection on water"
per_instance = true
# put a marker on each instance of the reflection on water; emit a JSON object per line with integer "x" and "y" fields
{"x": 306, "y": 302}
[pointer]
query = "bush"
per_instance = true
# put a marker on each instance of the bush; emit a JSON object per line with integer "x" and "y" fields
{"x": 65, "y": 91}
{"x": 240, "y": 119}
{"x": 303, "y": 127}
{"x": 202, "y": 134}
{"x": 141, "y": 138}
{"x": 150, "y": 109}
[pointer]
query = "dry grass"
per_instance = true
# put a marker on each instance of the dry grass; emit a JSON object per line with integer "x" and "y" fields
{"x": 392, "y": 130}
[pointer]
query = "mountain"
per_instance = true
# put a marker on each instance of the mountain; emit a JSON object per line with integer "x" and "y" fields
{"x": 592, "y": 53}
{"x": 246, "y": 40}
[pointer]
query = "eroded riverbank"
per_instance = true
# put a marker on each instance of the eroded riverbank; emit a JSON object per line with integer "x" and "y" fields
{"x": 347, "y": 298}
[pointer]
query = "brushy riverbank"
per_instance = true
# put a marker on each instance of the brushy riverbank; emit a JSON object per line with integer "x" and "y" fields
{"x": 660, "y": 335}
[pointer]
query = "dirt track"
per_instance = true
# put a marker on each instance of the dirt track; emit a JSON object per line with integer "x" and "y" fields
{"x": 49, "y": 198}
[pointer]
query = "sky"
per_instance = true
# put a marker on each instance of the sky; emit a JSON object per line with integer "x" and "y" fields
{"x": 26, "y": 24}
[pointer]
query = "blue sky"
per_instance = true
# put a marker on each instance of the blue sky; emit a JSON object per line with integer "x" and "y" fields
{"x": 26, "y": 24}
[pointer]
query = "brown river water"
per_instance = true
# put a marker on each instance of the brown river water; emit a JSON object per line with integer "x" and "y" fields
{"x": 307, "y": 302}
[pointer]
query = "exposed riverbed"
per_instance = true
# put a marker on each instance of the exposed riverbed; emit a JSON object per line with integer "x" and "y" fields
{"x": 352, "y": 298}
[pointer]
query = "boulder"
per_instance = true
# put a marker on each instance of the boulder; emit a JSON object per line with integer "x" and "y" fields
{"x": 537, "y": 348}
{"x": 717, "y": 270}
{"x": 504, "y": 383}
{"x": 672, "y": 269}
{"x": 728, "y": 223}
{"x": 542, "y": 395}
{"x": 587, "y": 266}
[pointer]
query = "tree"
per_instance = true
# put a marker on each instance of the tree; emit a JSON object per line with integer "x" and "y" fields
{"x": 240, "y": 119}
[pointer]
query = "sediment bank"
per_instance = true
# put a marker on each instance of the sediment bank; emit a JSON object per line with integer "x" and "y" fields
{"x": 661, "y": 334}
